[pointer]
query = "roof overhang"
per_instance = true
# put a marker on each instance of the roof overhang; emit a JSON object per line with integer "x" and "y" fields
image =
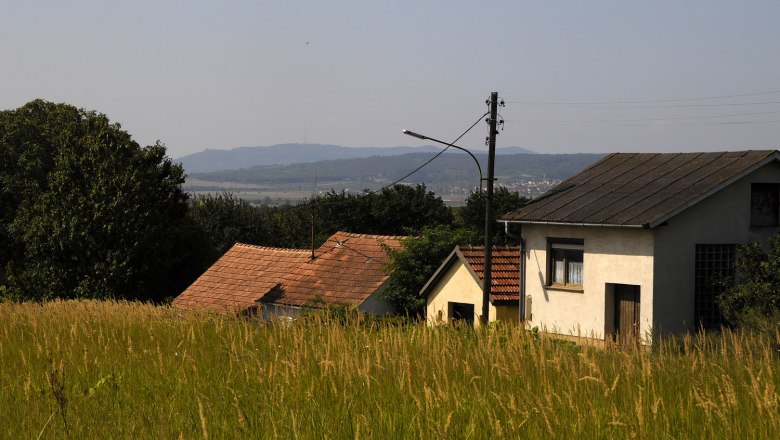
{"x": 589, "y": 225}
{"x": 442, "y": 270}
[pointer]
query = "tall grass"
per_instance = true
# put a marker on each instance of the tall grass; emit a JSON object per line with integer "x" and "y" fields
{"x": 122, "y": 370}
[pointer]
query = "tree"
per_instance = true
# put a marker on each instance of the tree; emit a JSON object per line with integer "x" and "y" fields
{"x": 391, "y": 211}
{"x": 754, "y": 294}
{"x": 504, "y": 201}
{"x": 224, "y": 219}
{"x": 86, "y": 211}
{"x": 417, "y": 261}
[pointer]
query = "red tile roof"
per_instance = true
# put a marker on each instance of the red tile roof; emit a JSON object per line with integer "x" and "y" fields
{"x": 240, "y": 277}
{"x": 505, "y": 268}
{"x": 348, "y": 268}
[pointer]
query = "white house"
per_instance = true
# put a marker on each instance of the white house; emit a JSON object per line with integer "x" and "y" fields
{"x": 633, "y": 245}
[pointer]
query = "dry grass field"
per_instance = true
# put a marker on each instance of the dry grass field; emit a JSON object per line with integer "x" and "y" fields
{"x": 122, "y": 370}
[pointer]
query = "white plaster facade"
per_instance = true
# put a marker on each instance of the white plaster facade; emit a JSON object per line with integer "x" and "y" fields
{"x": 611, "y": 256}
{"x": 659, "y": 260}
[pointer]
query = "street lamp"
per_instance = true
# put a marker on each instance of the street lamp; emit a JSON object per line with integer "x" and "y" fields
{"x": 426, "y": 138}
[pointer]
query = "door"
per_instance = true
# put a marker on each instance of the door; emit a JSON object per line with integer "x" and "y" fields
{"x": 626, "y": 314}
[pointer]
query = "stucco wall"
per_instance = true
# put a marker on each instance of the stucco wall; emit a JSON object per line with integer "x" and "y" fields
{"x": 723, "y": 218}
{"x": 278, "y": 311}
{"x": 457, "y": 285}
{"x": 376, "y": 306}
{"x": 611, "y": 256}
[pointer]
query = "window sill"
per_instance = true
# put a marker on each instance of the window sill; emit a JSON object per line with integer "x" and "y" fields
{"x": 564, "y": 288}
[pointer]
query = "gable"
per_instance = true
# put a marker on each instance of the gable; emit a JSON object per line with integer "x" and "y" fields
{"x": 505, "y": 268}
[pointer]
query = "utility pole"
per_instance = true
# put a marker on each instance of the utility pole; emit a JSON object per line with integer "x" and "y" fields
{"x": 492, "y": 121}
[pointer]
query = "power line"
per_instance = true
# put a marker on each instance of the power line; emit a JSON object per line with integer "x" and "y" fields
{"x": 437, "y": 154}
{"x": 642, "y": 119}
{"x": 651, "y": 101}
{"x": 609, "y": 106}
{"x": 673, "y": 124}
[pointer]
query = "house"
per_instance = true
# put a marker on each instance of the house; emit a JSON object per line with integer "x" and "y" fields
{"x": 454, "y": 292}
{"x": 240, "y": 277}
{"x": 634, "y": 245}
{"x": 348, "y": 269}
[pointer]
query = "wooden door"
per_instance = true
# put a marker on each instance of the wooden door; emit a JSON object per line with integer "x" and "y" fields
{"x": 626, "y": 313}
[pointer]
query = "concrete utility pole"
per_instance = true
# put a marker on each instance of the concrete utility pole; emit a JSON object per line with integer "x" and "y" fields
{"x": 489, "y": 208}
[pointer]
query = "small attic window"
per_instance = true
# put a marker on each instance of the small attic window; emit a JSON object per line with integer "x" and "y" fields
{"x": 764, "y": 204}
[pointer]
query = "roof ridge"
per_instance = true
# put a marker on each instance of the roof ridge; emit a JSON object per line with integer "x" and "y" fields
{"x": 374, "y": 236}
{"x": 271, "y": 248}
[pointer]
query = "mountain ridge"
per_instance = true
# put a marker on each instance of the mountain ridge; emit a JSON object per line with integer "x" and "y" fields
{"x": 211, "y": 160}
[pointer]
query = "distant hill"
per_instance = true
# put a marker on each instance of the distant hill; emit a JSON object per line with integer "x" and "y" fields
{"x": 282, "y": 154}
{"x": 448, "y": 171}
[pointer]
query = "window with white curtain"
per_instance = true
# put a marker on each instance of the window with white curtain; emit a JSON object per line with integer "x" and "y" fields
{"x": 565, "y": 266}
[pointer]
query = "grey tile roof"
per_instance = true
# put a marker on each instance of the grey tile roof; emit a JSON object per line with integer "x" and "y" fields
{"x": 639, "y": 189}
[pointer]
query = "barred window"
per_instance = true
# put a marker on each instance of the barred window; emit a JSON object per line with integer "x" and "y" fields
{"x": 714, "y": 264}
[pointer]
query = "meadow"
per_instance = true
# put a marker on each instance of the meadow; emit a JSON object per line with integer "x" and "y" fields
{"x": 89, "y": 369}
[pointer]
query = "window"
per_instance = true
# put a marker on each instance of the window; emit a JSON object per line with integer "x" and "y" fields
{"x": 565, "y": 262}
{"x": 714, "y": 264}
{"x": 764, "y": 204}
{"x": 463, "y": 313}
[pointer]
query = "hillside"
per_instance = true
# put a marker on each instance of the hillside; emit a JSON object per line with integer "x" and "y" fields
{"x": 284, "y": 154}
{"x": 446, "y": 174}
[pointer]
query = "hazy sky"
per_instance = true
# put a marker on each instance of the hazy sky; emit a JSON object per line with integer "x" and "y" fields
{"x": 198, "y": 74}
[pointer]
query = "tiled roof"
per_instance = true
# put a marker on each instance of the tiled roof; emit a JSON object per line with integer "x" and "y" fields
{"x": 639, "y": 189}
{"x": 347, "y": 269}
{"x": 240, "y": 277}
{"x": 505, "y": 270}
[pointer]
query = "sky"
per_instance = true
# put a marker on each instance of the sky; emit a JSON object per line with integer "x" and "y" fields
{"x": 576, "y": 76}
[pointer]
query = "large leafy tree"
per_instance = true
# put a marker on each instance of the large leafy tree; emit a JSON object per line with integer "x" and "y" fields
{"x": 86, "y": 211}
{"x": 418, "y": 259}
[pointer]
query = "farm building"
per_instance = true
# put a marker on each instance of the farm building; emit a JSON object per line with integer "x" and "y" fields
{"x": 633, "y": 245}
{"x": 348, "y": 269}
{"x": 454, "y": 292}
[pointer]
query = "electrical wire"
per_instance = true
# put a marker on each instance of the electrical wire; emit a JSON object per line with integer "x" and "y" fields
{"x": 651, "y": 101}
{"x": 435, "y": 156}
{"x": 610, "y": 106}
{"x": 643, "y": 119}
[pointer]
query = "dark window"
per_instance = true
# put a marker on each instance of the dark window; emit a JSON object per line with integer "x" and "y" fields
{"x": 462, "y": 313}
{"x": 764, "y": 204}
{"x": 565, "y": 262}
{"x": 714, "y": 265}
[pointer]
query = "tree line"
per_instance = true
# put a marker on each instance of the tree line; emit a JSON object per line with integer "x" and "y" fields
{"x": 86, "y": 212}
